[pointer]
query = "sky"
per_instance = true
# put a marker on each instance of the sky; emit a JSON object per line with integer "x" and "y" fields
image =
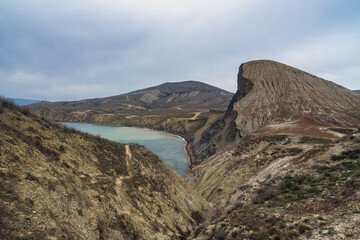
{"x": 77, "y": 49}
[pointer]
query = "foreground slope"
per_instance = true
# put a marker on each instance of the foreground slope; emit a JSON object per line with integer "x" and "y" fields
{"x": 279, "y": 187}
{"x": 271, "y": 93}
{"x": 57, "y": 183}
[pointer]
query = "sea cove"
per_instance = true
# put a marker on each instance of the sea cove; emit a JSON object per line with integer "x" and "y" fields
{"x": 170, "y": 148}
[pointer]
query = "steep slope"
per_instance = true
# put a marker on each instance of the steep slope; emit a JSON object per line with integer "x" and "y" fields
{"x": 57, "y": 183}
{"x": 278, "y": 187}
{"x": 176, "y": 99}
{"x": 270, "y": 93}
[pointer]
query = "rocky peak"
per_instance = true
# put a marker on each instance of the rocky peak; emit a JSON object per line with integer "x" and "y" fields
{"x": 271, "y": 93}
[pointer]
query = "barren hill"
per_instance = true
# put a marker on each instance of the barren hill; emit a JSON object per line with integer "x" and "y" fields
{"x": 169, "y": 98}
{"x": 57, "y": 183}
{"x": 271, "y": 93}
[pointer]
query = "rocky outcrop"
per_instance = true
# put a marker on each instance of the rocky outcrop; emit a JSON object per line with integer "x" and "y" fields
{"x": 271, "y": 93}
{"x": 57, "y": 183}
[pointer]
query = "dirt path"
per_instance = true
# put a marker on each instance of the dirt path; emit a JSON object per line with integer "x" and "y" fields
{"x": 196, "y": 115}
{"x": 127, "y": 159}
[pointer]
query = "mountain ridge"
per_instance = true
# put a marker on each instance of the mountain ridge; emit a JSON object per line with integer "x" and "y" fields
{"x": 176, "y": 95}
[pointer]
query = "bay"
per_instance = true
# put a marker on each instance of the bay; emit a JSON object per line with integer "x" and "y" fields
{"x": 170, "y": 148}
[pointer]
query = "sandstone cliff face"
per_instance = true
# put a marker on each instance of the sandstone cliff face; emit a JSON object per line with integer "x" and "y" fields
{"x": 272, "y": 93}
{"x": 57, "y": 183}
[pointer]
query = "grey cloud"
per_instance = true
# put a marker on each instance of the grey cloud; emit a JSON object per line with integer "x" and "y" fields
{"x": 119, "y": 46}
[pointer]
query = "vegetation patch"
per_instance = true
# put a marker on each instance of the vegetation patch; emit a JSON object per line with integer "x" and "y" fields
{"x": 251, "y": 222}
{"x": 314, "y": 140}
{"x": 342, "y": 130}
{"x": 350, "y": 154}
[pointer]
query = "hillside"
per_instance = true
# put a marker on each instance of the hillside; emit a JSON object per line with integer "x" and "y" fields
{"x": 168, "y": 99}
{"x": 57, "y": 183}
{"x": 272, "y": 94}
{"x": 284, "y": 160}
{"x": 281, "y": 187}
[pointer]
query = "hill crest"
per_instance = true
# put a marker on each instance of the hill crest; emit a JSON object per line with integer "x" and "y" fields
{"x": 177, "y": 97}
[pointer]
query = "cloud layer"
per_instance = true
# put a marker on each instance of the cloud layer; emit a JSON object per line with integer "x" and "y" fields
{"x": 84, "y": 49}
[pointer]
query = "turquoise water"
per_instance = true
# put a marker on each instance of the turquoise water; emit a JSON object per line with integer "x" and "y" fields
{"x": 170, "y": 148}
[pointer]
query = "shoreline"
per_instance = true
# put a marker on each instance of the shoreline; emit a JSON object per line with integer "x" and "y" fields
{"x": 187, "y": 145}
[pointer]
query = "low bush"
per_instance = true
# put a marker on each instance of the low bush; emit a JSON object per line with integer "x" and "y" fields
{"x": 351, "y": 154}
{"x": 6, "y": 103}
{"x": 314, "y": 140}
{"x": 342, "y": 130}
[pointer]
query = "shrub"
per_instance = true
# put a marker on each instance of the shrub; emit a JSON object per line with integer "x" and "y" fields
{"x": 314, "y": 140}
{"x": 196, "y": 215}
{"x": 6, "y": 103}
{"x": 292, "y": 234}
{"x": 264, "y": 194}
{"x": 62, "y": 149}
{"x": 25, "y": 111}
{"x": 294, "y": 151}
{"x": 303, "y": 228}
{"x": 219, "y": 234}
{"x": 342, "y": 130}
{"x": 351, "y": 154}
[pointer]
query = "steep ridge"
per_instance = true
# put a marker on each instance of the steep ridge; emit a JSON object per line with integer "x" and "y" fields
{"x": 57, "y": 183}
{"x": 271, "y": 93}
{"x": 168, "y": 99}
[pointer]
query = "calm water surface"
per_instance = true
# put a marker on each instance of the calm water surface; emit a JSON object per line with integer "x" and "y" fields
{"x": 170, "y": 148}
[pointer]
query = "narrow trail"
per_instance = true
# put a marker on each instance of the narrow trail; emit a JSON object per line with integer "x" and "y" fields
{"x": 196, "y": 115}
{"x": 127, "y": 159}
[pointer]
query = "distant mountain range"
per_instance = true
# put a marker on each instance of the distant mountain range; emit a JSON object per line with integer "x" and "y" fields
{"x": 358, "y": 91}
{"x": 23, "y": 102}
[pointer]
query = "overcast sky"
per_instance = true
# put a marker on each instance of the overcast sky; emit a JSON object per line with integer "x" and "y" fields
{"x": 76, "y": 49}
